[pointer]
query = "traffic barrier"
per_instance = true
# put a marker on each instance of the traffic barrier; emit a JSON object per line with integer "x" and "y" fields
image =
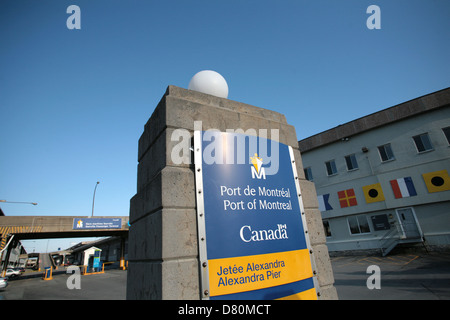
{"x": 48, "y": 273}
{"x": 123, "y": 265}
{"x": 85, "y": 270}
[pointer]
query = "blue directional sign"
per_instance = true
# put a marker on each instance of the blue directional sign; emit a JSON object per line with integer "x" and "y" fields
{"x": 253, "y": 243}
{"x": 96, "y": 223}
{"x": 96, "y": 262}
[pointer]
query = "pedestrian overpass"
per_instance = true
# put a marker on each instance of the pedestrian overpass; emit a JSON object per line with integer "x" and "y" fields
{"x": 16, "y": 228}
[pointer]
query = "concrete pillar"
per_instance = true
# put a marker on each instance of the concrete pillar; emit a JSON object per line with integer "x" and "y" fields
{"x": 163, "y": 251}
{"x": 122, "y": 254}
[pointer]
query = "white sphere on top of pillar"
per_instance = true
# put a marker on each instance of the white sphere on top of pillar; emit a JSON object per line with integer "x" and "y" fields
{"x": 209, "y": 82}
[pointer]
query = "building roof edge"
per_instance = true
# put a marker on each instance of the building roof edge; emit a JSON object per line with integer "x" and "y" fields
{"x": 377, "y": 119}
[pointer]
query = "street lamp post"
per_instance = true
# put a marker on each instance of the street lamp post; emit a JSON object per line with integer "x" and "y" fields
{"x": 6, "y": 201}
{"x": 93, "y": 199}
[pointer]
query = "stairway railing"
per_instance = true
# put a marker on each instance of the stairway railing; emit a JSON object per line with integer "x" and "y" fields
{"x": 389, "y": 240}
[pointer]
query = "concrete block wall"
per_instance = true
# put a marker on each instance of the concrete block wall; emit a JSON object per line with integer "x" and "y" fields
{"x": 318, "y": 240}
{"x": 163, "y": 249}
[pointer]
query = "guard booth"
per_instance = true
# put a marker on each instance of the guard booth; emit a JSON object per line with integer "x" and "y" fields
{"x": 92, "y": 259}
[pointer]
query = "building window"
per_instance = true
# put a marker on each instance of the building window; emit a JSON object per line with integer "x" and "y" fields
{"x": 423, "y": 142}
{"x": 308, "y": 174}
{"x": 326, "y": 228}
{"x": 351, "y": 162}
{"x": 358, "y": 224}
{"x": 386, "y": 153}
{"x": 331, "y": 167}
{"x": 447, "y": 133}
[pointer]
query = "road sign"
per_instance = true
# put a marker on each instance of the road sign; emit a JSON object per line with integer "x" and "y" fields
{"x": 96, "y": 262}
{"x": 96, "y": 223}
{"x": 252, "y": 234}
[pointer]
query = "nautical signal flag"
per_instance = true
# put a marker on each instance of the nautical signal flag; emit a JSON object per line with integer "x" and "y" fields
{"x": 437, "y": 181}
{"x": 323, "y": 202}
{"x": 347, "y": 198}
{"x": 403, "y": 188}
{"x": 373, "y": 193}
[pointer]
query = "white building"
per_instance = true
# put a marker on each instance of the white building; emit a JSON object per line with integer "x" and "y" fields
{"x": 382, "y": 179}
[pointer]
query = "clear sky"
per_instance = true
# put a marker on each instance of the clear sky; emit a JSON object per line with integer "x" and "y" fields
{"x": 73, "y": 103}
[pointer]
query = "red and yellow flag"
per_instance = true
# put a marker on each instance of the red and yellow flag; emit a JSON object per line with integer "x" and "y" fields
{"x": 347, "y": 198}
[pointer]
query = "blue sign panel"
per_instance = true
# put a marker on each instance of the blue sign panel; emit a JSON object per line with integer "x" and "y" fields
{"x": 255, "y": 243}
{"x": 96, "y": 223}
{"x": 96, "y": 263}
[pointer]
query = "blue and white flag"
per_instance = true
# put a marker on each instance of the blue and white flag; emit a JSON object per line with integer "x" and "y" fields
{"x": 323, "y": 202}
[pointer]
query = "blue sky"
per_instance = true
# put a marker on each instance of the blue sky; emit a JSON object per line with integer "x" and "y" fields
{"x": 73, "y": 103}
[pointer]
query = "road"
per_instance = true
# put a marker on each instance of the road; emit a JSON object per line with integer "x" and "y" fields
{"x": 108, "y": 286}
{"x": 44, "y": 261}
{"x": 403, "y": 277}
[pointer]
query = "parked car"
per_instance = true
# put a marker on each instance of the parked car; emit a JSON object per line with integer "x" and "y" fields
{"x": 11, "y": 273}
{"x": 22, "y": 270}
{"x": 3, "y": 282}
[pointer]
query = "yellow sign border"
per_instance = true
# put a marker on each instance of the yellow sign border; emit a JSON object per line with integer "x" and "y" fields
{"x": 247, "y": 273}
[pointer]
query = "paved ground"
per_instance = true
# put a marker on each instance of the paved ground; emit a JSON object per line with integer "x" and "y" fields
{"x": 108, "y": 286}
{"x": 403, "y": 277}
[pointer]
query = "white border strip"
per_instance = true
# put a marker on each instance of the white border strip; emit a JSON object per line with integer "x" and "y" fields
{"x": 201, "y": 230}
{"x": 305, "y": 226}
